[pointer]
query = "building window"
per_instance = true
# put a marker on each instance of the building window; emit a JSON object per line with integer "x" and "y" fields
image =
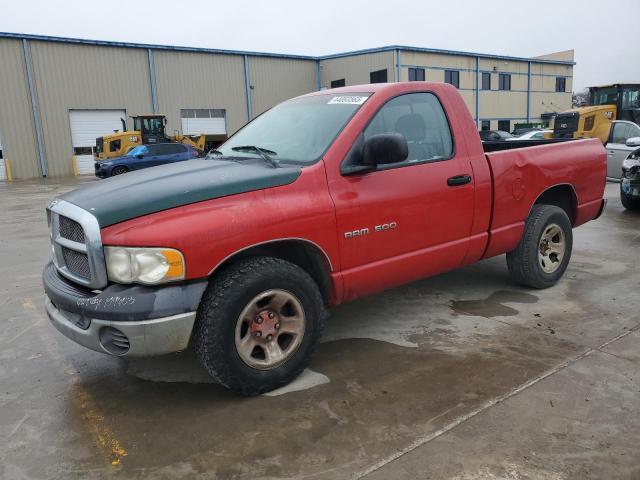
{"x": 416, "y": 74}
{"x": 504, "y": 81}
{"x": 504, "y": 125}
{"x": 486, "y": 81}
{"x": 452, "y": 77}
{"x": 202, "y": 113}
{"x": 379, "y": 76}
{"x": 561, "y": 84}
{"x": 485, "y": 125}
{"x": 338, "y": 83}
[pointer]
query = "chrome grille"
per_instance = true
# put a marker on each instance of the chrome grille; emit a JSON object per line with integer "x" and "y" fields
{"x": 71, "y": 230}
{"x": 77, "y": 245}
{"x": 77, "y": 263}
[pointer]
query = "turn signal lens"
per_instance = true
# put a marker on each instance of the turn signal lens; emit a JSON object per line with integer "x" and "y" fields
{"x": 149, "y": 266}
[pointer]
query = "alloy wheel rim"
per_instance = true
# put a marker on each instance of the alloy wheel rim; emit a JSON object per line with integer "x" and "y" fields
{"x": 551, "y": 248}
{"x": 270, "y": 328}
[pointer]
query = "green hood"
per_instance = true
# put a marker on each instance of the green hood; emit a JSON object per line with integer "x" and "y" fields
{"x": 159, "y": 188}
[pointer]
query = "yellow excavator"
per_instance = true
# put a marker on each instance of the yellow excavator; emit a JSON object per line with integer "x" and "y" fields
{"x": 146, "y": 129}
{"x": 619, "y": 101}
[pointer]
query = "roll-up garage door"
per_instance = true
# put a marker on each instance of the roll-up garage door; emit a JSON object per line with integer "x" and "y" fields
{"x": 3, "y": 170}
{"x": 210, "y": 121}
{"x": 86, "y": 126}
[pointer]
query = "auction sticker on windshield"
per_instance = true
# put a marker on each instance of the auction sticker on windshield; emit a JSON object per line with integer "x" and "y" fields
{"x": 347, "y": 100}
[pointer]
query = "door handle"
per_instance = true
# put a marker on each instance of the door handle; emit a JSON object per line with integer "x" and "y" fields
{"x": 611, "y": 154}
{"x": 459, "y": 180}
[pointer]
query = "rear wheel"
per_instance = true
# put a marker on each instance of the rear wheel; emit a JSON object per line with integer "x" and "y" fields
{"x": 119, "y": 171}
{"x": 258, "y": 324}
{"x": 628, "y": 201}
{"x": 543, "y": 253}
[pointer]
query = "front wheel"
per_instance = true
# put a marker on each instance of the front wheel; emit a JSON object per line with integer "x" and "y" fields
{"x": 258, "y": 324}
{"x": 628, "y": 201}
{"x": 119, "y": 171}
{"x": 542, "y": 256}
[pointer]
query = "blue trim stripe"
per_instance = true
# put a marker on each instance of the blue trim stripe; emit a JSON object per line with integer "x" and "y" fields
{"x": 152, "y": 80}
{"x": 247, "y": 88}
{"x": 35, "y": 108}
{"x": 108, "y": 43}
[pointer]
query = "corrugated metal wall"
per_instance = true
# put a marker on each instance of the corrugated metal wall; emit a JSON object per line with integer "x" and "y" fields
{"x": 277, "y": 79}
{"x": 76, "y": 76}
{"x": 356, "y": 69}
{"x": 84, "y": 77}
{"x": 16, "y": 120}
{"x": 200, "y": 80}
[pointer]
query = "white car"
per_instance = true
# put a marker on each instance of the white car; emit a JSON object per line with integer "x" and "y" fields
{"x": 532, "y": 135}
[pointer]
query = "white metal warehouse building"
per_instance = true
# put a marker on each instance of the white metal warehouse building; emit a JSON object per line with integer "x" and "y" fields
{"x": 58, "y": 94}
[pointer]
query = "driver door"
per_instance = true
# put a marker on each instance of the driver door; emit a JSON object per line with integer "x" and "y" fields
{"x": 411, "y": 219}
{"x": 617, "y": 149}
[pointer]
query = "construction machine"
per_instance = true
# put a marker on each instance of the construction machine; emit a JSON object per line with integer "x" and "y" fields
{"x": 620, "y": 101}
{"x": 147, "y": 129}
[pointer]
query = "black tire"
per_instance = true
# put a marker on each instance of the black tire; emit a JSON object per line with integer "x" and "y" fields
{"x": 119, "y": 170}
{"x": 629, "y": 202}
{"x": 524, "y": 265}
{"x": 229, "y": 292}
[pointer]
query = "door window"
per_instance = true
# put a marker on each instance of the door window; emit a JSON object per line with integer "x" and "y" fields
{"x": 422, "y": 121}
{"x": 624, "y": 131}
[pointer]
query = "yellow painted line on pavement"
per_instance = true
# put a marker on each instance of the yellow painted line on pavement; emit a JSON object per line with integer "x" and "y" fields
{"x": 83, "y": 401}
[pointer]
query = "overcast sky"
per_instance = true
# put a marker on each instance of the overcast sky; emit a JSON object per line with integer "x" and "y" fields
{"x": 603, "y": 34}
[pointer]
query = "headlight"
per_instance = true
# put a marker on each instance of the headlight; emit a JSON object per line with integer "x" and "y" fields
{"x": 630, "y": 162}
{"x": 149, "y": 266}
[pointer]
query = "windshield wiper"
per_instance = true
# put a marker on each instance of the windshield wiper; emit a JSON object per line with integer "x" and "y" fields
{"x": 263, "y": 152}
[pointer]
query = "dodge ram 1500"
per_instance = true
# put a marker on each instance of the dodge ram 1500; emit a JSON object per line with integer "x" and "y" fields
{"x": 322, "y": 199}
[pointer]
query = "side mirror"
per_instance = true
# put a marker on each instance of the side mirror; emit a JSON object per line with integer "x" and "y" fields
{"x": 379, "y": 149}
{"x": 633, "y": 142}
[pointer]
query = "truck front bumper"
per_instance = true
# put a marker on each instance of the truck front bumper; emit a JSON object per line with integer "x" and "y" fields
{"x": 123, "y": 320}
{"x": 132, "y": 339}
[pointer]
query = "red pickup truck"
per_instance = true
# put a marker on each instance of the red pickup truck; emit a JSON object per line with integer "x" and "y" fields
{"x": 322, "y": 199}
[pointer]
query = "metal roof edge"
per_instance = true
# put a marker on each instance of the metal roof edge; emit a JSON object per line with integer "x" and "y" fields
{"x": 407, "y": 48}
{"x": 110, "y": 43}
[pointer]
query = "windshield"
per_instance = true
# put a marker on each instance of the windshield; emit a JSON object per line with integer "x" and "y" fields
{"x": 605, "y": 96}
{"x": 296, "y": 131}
{"x": 139, "y": 150}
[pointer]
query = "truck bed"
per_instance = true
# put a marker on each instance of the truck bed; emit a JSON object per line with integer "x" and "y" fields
{"x": 520, "y": 173}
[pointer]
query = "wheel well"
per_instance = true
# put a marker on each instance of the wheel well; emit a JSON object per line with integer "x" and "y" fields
{"x": 563, "y": 196}
{"x": 304, "y": 254}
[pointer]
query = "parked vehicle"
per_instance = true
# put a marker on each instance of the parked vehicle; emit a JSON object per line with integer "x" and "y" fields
{"x": 533, "y": 135}
{"x": 622, "y": 140}
{"x": 323, "y": 199}
{"x": 620, "y": 101}
{"x": 494, "y": 135}
{"x": 147, "y": 129}
{"x": 145, "y": 156}
{"x": 630, "y": 182}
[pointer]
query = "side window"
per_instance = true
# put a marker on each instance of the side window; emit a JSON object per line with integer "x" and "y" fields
{"x": 153, "y": 150}
{"x": 620, "y": 133}
{"x": 114, "y": 146}
{"x": 422, "y": 121}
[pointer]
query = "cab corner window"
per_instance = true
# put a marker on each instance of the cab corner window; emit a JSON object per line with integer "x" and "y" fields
{"x": 422, "y": 121}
